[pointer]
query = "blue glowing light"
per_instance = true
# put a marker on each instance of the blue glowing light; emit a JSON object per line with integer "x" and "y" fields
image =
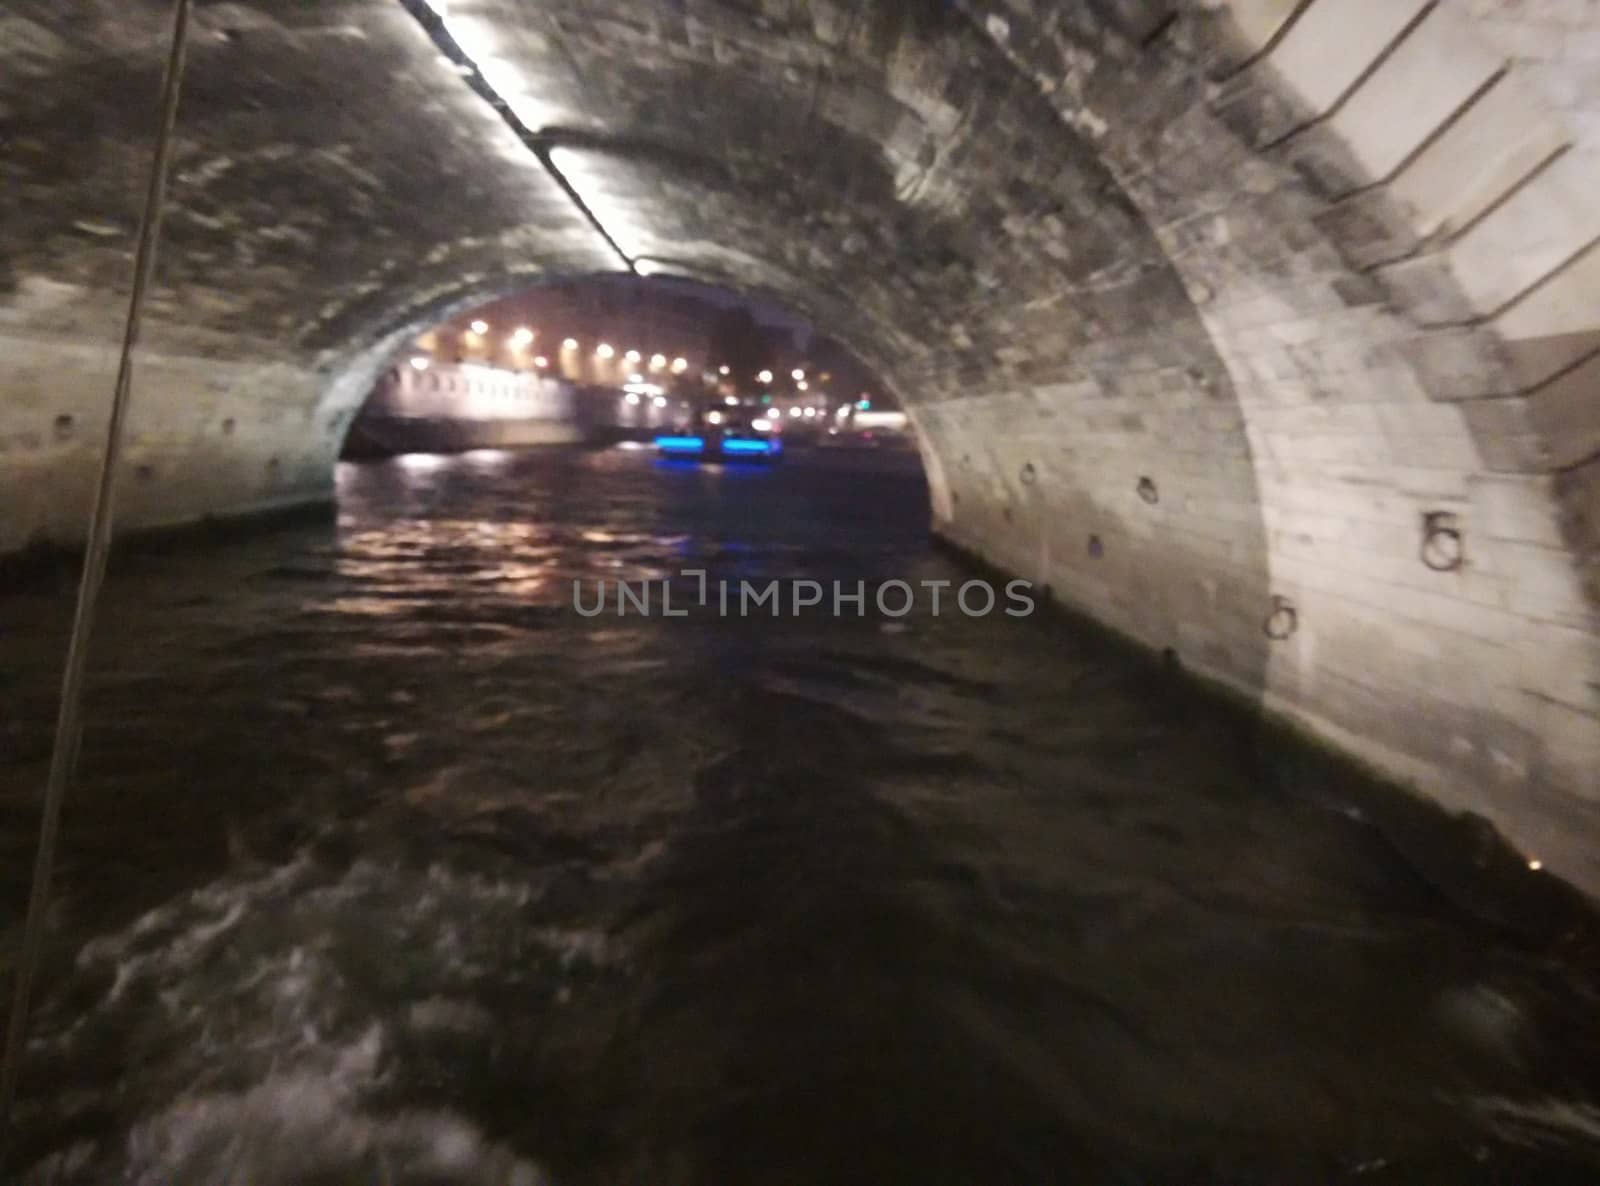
{"x": 736, "y": 445}
{"x": 680, "y": 444}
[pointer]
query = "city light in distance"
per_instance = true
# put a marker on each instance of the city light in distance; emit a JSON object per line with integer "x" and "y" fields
{"x": 764, "y": 377}
{"x": 679, "y": 365}
{"x": 605, "y": 351}
{"x": 633, "y": 356}
{"x": 803, "y": 385}
{"x": 657, "y": 361}
{"x": 541, "y": 362}
{"x": 731, "y": 400}
{"x": 864, "y": 404}
{"x": 632, "y": 398}
{"x": 810, "y": 413}
{"x": 794, "y": 411}
{"x": 420, "y": 363}
{"x": 523, "y": 336}
{"x": 724, "y": 370}
{"x": 660, "y": 401}
{"x": 714, "y": 417}
{"x": 422, "y": 461}
{"x": 797, "y": 374}
{"x": 761, "y": 425}
{"x": 480, "y": 328}
{"x": 570, "y": 344}
{"x": 636, "y": 378}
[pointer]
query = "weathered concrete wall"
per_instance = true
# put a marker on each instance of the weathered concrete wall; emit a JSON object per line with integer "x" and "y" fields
{"x": 1201, "y": 309}
{"x": 207, "y": 435}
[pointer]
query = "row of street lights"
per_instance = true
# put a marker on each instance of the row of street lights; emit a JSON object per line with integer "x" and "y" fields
{"x": 523, "y": 337}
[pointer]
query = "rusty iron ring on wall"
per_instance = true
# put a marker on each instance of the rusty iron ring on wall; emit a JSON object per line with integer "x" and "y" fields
{"x": 1283, "y": 621}
{"x": 1442, "y": 549}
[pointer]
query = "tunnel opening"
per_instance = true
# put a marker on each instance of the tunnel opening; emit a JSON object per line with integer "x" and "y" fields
{"x": 539, "y": 367}
{"x": 706, "y": 397}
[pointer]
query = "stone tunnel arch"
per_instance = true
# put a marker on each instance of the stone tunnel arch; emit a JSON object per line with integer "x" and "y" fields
{"x": 389, "y": 326}
{"x": 1212, "y": 315}
{"x": 1019, "y": 495}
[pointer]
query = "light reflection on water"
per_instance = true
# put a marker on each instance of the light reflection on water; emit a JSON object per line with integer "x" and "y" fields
{"x": 385, "y": 866}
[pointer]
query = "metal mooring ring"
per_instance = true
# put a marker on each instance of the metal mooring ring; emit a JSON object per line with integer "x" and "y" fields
{"x": 1442, "y": 549}
{"x": 1148, "y": 491}
{"x": 1283, "y": 621}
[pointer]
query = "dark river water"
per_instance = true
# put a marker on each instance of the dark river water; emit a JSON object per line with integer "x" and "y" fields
{"x": 388, "y": 867}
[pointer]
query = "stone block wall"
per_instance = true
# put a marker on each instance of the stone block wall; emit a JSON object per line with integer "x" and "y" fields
{"x": 1383, "y": 221}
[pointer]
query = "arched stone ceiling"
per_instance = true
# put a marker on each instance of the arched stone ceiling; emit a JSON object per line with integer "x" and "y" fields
{"x": 1317, "y": 270}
